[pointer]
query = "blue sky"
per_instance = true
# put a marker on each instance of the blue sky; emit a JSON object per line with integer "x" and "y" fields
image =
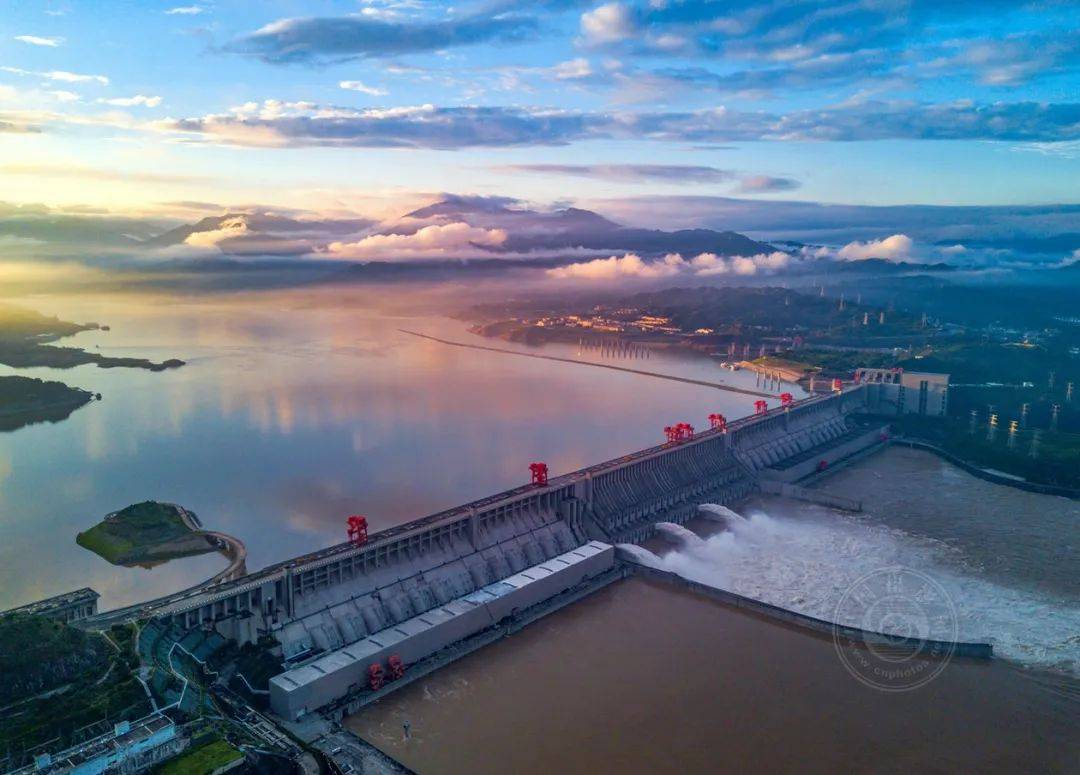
{"x": 367, "y": 106}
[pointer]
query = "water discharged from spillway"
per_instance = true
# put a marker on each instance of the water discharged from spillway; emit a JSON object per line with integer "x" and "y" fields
{"x": 808, "y": 562}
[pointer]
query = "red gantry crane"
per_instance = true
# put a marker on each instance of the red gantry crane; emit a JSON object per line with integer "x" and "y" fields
{"x": 718, "y": 422}
{"x": 761, "y": 406}
{"x": 539, "y": 473}
{"x": 376, "y": 677}
{"x": 357, "y": 529}
{"x": 682, "y": 431}
{"x": 397, "y": 667}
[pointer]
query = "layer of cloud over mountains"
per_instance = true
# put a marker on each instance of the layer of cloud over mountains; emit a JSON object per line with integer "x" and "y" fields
{"x": 561, "y": 244}
{"x": 455, "y": 227}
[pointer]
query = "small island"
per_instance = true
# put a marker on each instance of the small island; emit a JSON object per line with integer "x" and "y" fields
{"x": 150, "y": 533}
{"x": 146, "y": 534}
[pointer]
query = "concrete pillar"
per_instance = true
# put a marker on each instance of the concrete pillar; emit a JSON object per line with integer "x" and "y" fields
{"x": 287, "y": 588}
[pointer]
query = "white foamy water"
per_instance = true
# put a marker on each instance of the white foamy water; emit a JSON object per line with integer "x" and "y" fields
{"x": 679, "y": 535}
{"x": 808, "y": 563}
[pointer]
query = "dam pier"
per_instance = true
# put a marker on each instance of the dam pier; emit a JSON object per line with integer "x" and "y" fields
{"x": 354, "y": 619}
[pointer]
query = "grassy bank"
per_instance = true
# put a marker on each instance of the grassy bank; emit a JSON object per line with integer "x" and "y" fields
{"x": 202, "y": 760}
{"x": 142, "y": 533}
{"x": 1058, "y": 454}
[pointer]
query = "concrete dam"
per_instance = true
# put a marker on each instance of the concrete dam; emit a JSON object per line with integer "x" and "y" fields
{"x": 349, "y": 617}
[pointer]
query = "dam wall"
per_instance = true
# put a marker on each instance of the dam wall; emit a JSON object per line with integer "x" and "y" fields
{"x": 818, "y": 459}
{"x": 346, "y": 671}
{"x": 320, "y": 602}
{"x": 820, "y": 497}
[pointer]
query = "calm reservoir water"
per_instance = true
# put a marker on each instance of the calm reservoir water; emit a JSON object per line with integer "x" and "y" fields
{"x": 295, "y": 410}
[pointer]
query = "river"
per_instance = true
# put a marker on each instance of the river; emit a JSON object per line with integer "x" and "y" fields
{"x": 646, "y": 678}
{"x": 643, "y": 678}
{"x": 296, "y": 409}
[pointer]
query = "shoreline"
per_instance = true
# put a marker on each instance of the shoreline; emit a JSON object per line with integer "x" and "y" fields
{"x": 1002, "y": 478}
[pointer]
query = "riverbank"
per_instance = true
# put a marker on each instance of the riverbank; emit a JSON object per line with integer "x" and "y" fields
{"x": 990, "y": 475}
{"x": 695, "y": 686}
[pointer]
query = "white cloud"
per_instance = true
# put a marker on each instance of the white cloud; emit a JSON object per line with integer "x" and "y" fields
{"x": 895, "y": 248}
{"x": 230, "y": 229}
{"x": 58, "y": 75}
{"x": 34, "y": 40}
{"x": 702, "y": 265}
{"x": 572, "y": 69}
{"x": 66, "y": 77}
{"x": 454, "y": 240}
{"x": 128, "y": 102}
{"x": 709, "y": 264}
{"x": 360, "y": 86}
{"x": 185, "y": 10}
{"x": 63, "y": 96}
{"x": 608, "y": 23}
{"x": 615, "y": 267}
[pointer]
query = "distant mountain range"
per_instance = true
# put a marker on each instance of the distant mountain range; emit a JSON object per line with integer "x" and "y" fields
{"x": 533, "y": 238}
{"x": 573, "y": 227}
{"x": 528, "y": 232}
{"x": 260, "y": 234}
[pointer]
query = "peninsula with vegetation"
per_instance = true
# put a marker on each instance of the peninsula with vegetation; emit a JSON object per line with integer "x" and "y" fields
{"x": 25, "y": 400}
{"x": 26, "y": 339}
{"x": 146, "y": 534}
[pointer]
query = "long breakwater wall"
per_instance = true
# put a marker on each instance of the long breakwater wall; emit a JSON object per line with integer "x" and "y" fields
{"x": 841, "y": 632}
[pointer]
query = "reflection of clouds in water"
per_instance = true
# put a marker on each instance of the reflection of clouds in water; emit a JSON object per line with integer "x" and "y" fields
{"x": 358, "y": 441}
{"x": 181, "y": 401}
{"x": 289, "y": 418}
{"x": 314, "y": 505}
{"x": 283, "y": 413}
{"x": 5, "y": 472}
{"x": 97, "y": 436}
{"x": 77, "y": 487}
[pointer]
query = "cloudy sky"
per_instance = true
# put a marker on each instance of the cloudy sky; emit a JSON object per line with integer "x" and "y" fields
{"x": 356, "y": 106}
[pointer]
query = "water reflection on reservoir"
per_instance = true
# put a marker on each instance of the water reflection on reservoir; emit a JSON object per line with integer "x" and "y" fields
{"x": 294, "y": 410}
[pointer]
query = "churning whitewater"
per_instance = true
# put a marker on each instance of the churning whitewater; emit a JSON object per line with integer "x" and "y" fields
{"x": 808, "y": 563}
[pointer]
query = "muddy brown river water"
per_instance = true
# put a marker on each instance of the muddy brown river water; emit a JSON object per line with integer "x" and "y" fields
{"x": 646, "y": 678}
{"x": 642, "y": 678}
